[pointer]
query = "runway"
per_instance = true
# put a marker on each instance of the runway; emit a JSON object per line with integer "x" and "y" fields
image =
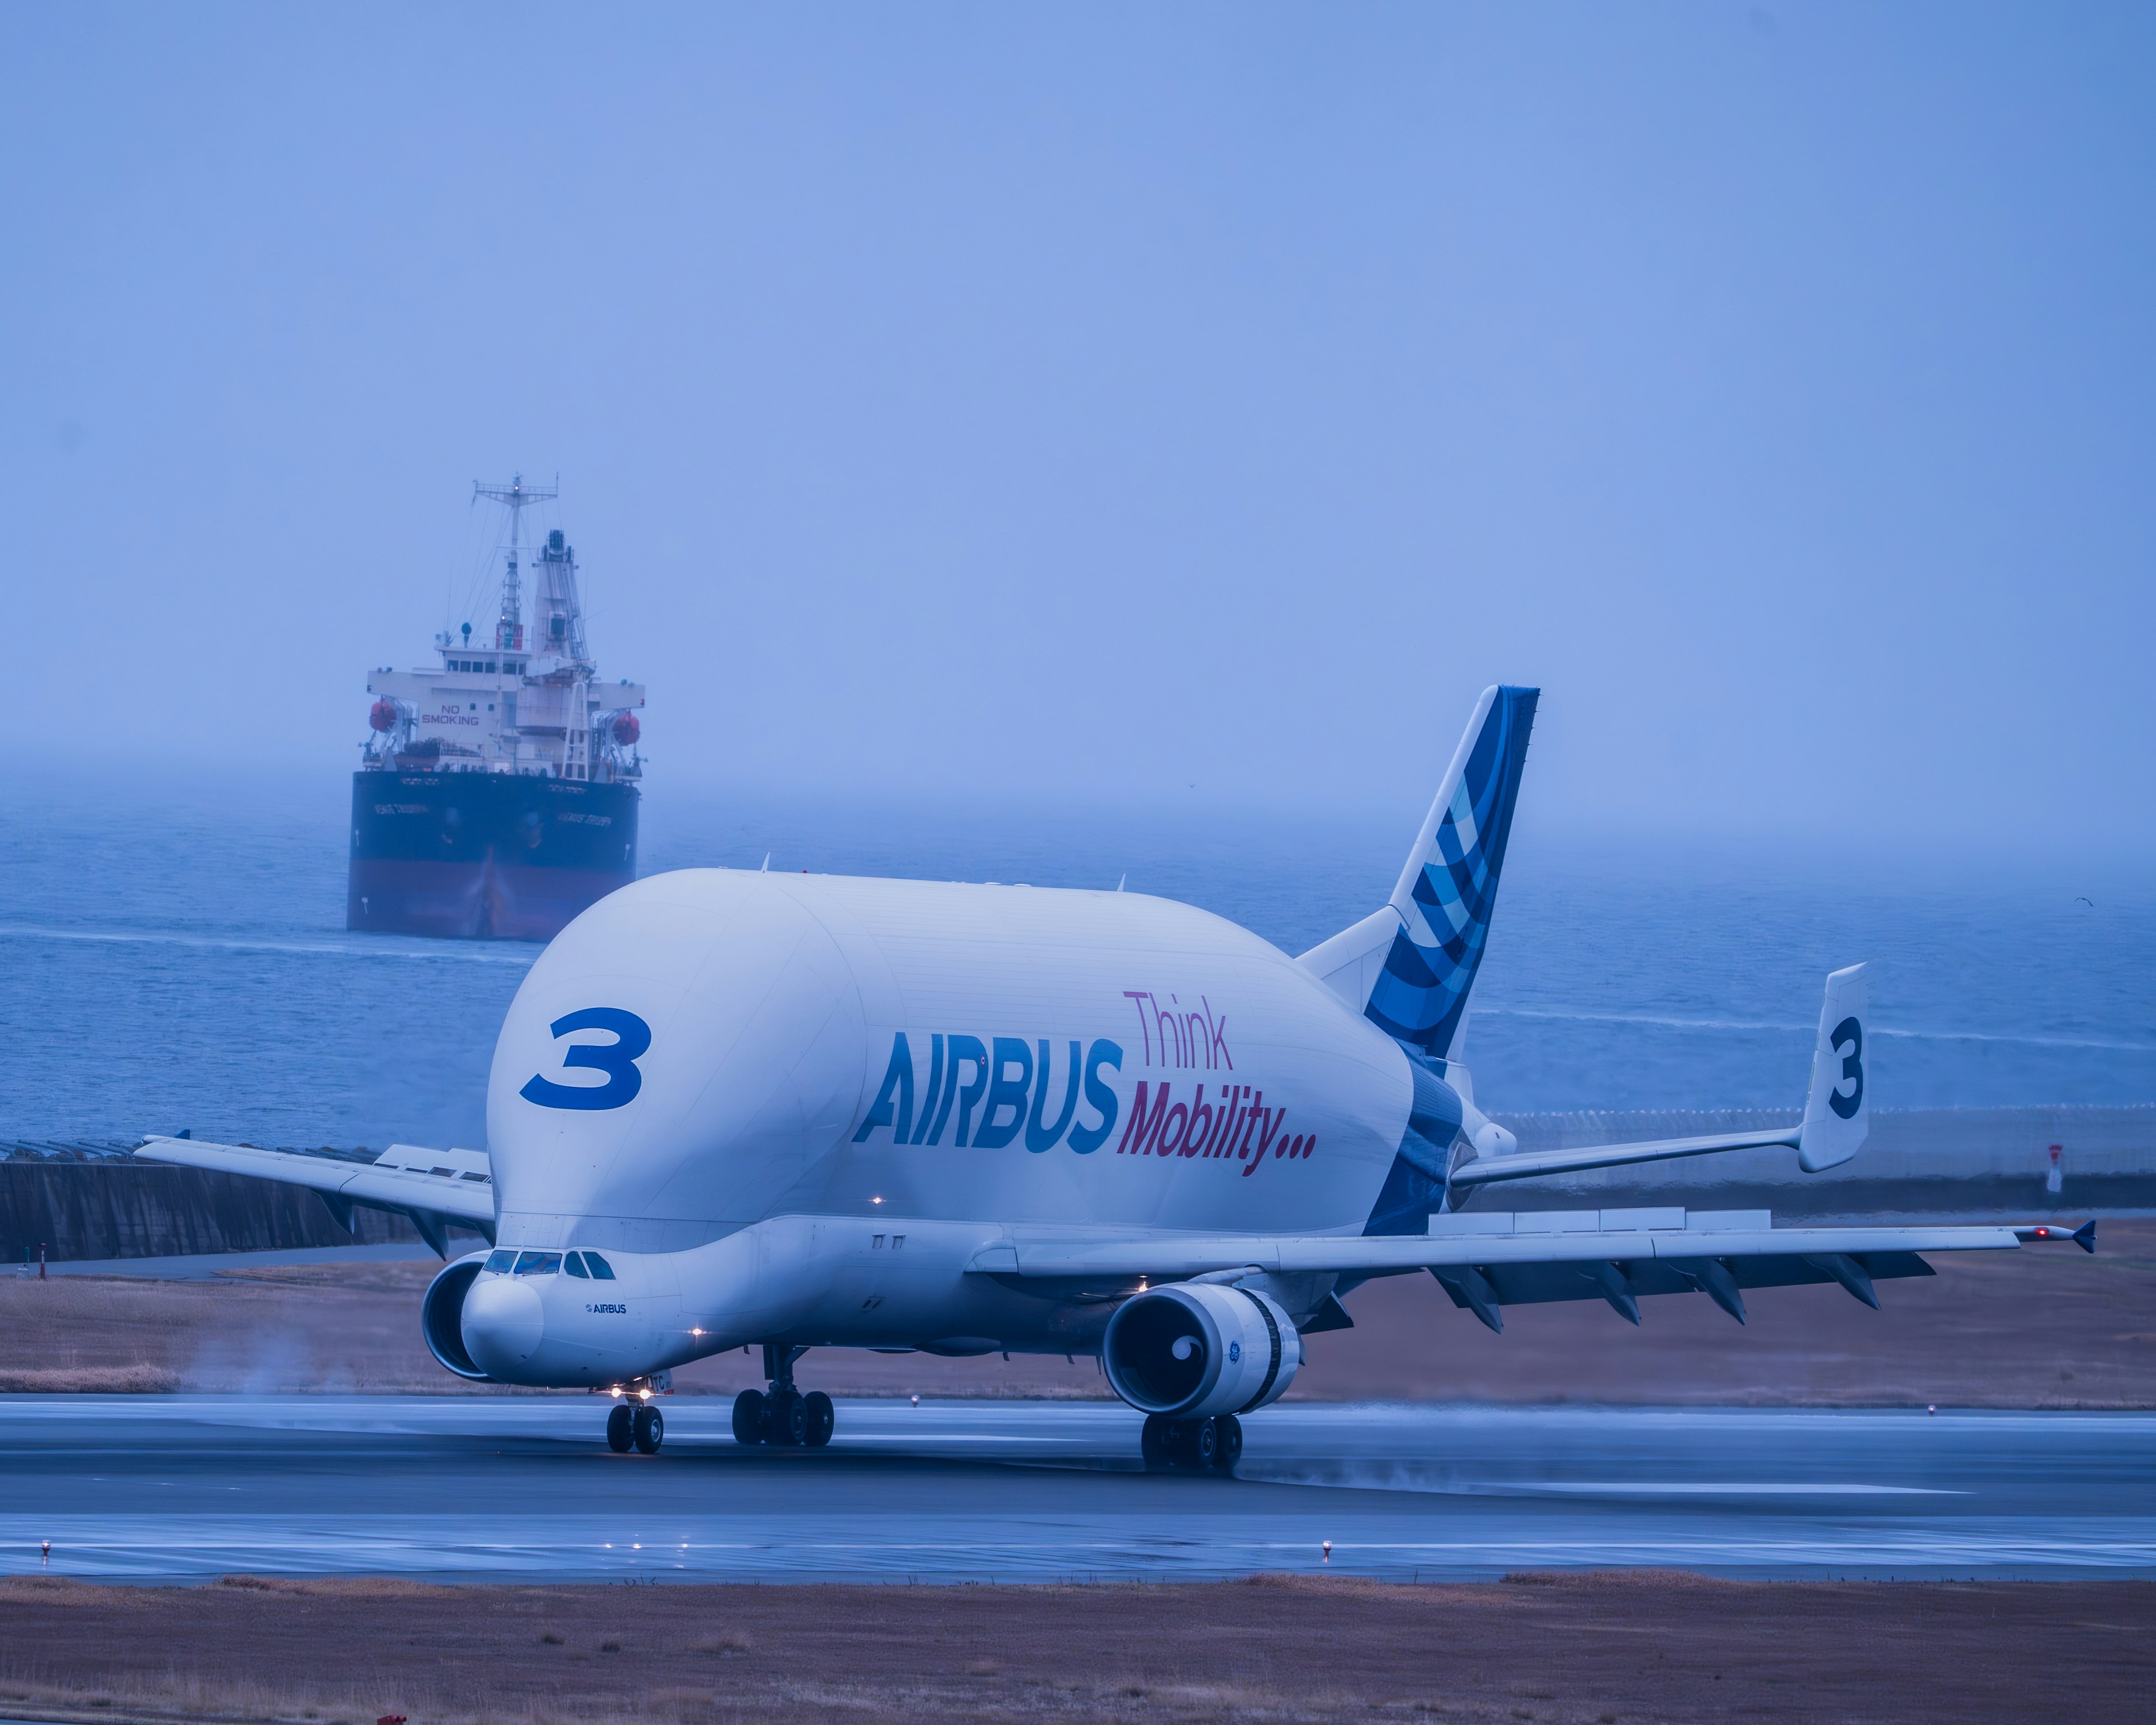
{"x": 161, "y": 1488}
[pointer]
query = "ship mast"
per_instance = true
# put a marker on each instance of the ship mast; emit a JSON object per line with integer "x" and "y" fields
{"x": 509, "y": 631}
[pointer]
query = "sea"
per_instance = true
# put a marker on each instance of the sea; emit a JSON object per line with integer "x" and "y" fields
{"x": 172, "y": 954}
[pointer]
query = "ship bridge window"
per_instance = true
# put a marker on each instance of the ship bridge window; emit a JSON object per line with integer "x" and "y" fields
{"x": 538, "y": 1263}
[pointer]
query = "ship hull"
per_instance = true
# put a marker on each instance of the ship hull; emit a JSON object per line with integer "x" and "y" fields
{"x": 480, "y": 855}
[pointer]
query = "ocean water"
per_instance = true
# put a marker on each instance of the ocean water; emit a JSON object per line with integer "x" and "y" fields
{"x": 172, "y": 955}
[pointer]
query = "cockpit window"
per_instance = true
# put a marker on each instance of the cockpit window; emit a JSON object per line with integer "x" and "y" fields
{"x": 574, "y": 1264}
{"x": 538, "y": 1263}
{"x": 603, "y": 1271}
{"x": 500, "y": 1263}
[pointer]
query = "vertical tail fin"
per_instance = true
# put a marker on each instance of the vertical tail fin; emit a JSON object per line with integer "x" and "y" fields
{"x": 1448, "y": 887}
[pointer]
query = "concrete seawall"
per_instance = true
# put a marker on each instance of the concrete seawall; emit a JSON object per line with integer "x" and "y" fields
{"x": 95, "y": 1200}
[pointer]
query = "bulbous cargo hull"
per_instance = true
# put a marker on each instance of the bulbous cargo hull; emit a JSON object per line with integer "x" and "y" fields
{"x": 513, "y": 856}
{"x": 712, "y": 1049}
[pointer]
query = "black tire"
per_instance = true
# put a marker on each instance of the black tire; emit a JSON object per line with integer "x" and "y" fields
{"x": 649, "y": 1429}
{"x": 618, "y": 1423}
{"x": 1153, "y": 1441}
{"x": 1227, "y": 1445}
{"x": 748, "y": 1417}
{"x": 820, "y": 1417}
{"x": 1201, "y": 1443}
{"x": 785, "y": 1420}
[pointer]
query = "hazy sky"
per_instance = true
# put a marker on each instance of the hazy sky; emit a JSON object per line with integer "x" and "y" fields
{"x": 1017, "y": 404}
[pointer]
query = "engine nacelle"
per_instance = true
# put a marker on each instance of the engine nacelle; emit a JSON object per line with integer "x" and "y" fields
{"x": 1200, "y": 1349}
{"x": 441, "y": 1317}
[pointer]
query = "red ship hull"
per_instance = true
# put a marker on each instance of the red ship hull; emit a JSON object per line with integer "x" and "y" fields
{"x": 471, "y": 855}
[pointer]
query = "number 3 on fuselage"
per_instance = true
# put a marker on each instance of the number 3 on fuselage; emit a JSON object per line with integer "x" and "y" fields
{"x": 616, "y": 1059}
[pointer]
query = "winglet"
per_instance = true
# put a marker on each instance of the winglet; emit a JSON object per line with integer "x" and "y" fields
{"x": 1838, "y": 1111}
{"x": 2083, "y": 1236}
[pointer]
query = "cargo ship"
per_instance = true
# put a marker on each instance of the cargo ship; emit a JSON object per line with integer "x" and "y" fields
{"x": 497, "y": 791}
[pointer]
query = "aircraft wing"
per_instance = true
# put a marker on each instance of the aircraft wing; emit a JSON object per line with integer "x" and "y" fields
{"x": 1486, "y": 1262}
{"x": 452, "y": 1185}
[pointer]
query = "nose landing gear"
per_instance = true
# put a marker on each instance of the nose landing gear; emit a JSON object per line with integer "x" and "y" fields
{"x": 634, "y": 1423}
{"x": 781, "y": 1415}
{"x": 1195, "y": 1445}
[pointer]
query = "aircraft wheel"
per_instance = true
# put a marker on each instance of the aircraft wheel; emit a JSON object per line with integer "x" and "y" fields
{"x": 1198, "y": 1443}
{"x": 648, "y": 1429}
{"x": 618, "y": 1423}
{"x": 785, "y": 1419}
{"x": 748, "y": 1417}
{"x": 1228, "y": 1443}
{"x": 820, "y": 1416}
{"x": 1153, "y": 1441}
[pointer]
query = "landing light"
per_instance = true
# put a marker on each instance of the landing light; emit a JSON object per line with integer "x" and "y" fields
{"x": 695, "y": 1333}
{"x": 875, "y": 1200}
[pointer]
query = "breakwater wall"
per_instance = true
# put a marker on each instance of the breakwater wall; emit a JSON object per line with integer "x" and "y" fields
{"x": 95, "y": 1200}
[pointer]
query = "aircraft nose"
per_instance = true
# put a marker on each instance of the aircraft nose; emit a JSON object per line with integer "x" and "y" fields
{"x": 502, "y": 1323}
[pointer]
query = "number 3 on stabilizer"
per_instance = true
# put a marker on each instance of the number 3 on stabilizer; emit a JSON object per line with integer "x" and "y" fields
{"x": 1837, "y": 1113}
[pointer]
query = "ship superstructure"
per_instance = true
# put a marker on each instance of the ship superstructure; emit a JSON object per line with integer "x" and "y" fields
{"x": 497, "y": 791}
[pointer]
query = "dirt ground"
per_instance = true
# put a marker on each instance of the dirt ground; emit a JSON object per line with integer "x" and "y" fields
{"x": 2045, "y": 1326}
{"x": 1605, "y": 1648}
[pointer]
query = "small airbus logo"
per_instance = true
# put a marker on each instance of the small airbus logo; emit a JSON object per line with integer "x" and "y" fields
{"x": 616, "y": 1059}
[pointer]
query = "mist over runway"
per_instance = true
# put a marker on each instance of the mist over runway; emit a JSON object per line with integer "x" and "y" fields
{"x": 165, "y": 1488}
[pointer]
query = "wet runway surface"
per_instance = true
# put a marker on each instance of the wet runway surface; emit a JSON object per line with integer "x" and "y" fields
{"x": 524, "y": 1488}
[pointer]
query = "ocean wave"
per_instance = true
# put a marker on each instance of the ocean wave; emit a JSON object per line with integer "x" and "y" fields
{"x": 1778, "y": 1025}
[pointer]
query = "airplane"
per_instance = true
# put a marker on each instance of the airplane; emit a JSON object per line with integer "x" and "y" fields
{"x": 731, "y": 1108}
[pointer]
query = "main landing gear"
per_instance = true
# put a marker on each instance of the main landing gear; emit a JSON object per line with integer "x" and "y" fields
{"x": 634, "y": 1424}
{"x": 782, "y": 1414}
{"x": 1196, "y": 1445}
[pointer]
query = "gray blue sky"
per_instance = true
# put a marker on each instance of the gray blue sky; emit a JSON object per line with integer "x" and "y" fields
{"x": 1019, "y": 404}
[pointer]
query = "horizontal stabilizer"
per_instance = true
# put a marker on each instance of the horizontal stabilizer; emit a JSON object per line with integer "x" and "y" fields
{"x": 1485, "y": 1169}
{"x": 1837, "y": 1111}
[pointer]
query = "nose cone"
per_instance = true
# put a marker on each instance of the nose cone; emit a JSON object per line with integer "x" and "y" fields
{"x": 503, "y": 1324}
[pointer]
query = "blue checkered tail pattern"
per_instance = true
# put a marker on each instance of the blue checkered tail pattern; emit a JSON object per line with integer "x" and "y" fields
{"x": 1450, "y": 887}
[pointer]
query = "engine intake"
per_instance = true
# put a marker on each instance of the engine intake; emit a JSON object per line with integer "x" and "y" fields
{"x": 1200, "y": 1349}
{"x": 441, "y": 1317}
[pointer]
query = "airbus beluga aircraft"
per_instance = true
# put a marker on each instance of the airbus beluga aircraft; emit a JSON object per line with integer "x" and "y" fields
{"x": 731, "y": 1108}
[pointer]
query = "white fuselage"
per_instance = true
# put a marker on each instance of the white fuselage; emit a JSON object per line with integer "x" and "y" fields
{"x": 853, "y": 1088}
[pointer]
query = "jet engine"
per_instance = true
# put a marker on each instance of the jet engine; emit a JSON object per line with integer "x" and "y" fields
{"x": 1200, "y": 1349}
{"x": 441, "y": 1317}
